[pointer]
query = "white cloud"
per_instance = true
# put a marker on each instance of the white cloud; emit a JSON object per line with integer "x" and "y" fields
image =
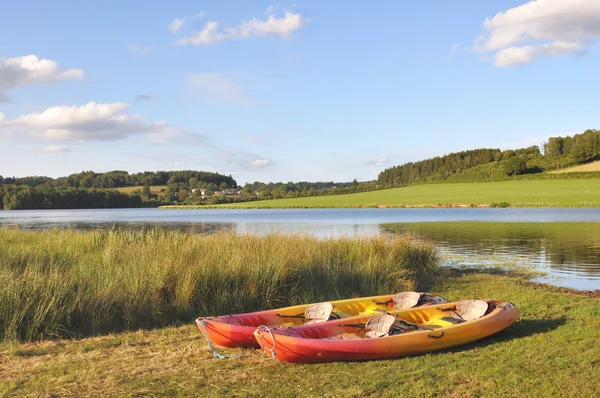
{"x": 21, "y": 72}
{"x": 95, "y": 122}
{"x": 256, "y": 163}
{"x": 226, "y": 162}
{"x": 513, "y": 56}
{"x": 139, "y": 49}
{"x": 215, "y": 87}
{"x": 282, "y": 26}
{"x": 241, "y": 160}
{"x": 176, "y": 25}
{"x": 55, "y": 149}
{"x": 144, "y": 97}
{"x": 540, "y": 28}
{"x": 453, "y": 50}
{"x": 379, "y": 162}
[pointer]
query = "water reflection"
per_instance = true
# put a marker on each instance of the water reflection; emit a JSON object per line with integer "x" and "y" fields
{"x": 562, "y": 249}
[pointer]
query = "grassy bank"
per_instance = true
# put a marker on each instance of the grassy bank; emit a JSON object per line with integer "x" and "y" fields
{"x": 71, "y": 284}
{"x": 551, "y": 351}
{"x": 518, "y": 193}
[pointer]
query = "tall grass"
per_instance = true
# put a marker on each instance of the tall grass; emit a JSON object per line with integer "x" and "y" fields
{"x": 71, "y": 284}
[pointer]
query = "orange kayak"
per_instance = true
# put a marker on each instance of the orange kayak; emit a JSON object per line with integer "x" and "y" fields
{"x": 395, "y": 334}
{"x": 238, "y": 330}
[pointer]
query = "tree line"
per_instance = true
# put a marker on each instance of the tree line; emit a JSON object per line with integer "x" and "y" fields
{"x": 120, "y": 179}
{"x": 23, "y": 197}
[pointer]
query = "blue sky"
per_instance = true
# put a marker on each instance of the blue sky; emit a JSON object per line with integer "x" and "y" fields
{"x": 267, "y": 91}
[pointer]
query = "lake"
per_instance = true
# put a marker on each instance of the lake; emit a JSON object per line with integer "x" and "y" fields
{"x": 564, "y": 243}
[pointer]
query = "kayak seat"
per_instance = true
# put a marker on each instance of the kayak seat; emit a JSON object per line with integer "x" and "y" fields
{"x": 319, "y": 313}
{"x": 380, "y": 326}
{"x": 389, "y": 325}
{"x": 406, "y": 300}
{"x": 468, "y": 310}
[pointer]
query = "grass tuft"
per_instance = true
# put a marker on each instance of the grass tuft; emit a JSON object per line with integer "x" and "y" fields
{"x": 66, "y": 284}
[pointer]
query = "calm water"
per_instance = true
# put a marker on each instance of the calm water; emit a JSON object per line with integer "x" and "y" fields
{"x": 565, "y": 243}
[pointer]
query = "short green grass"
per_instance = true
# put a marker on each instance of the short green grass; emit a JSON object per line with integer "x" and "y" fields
{"x": 552, "y": 351}
{"x": 518, "y": 193}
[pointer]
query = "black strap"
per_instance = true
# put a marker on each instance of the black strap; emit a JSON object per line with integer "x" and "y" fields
{"x": 385, "y": 302}
{"x": 291, "y": 316}
{"x": 435, "y": 337}
{"x": 446, "y": 309}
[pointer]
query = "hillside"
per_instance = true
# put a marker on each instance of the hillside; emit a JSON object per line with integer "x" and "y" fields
{"x": 594, "y": 166}
{"x": 487, "y": 164}
{"x": 519, "y": 193}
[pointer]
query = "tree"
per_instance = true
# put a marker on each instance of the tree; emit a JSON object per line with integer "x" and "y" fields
{"x": 183, "y": 195}
{"x": 514, "y": 165}
{"x": 146, "y": 193}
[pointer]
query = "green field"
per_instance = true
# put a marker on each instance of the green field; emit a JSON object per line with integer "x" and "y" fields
{"x": 552, "y": 351}
{"x": 519, "y": 193}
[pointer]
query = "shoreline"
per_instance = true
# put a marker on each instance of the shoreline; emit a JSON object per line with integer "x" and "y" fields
{"x": 384, "y": 206}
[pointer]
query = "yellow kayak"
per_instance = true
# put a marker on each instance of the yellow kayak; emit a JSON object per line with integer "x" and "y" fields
{"x": 393, "y": 334}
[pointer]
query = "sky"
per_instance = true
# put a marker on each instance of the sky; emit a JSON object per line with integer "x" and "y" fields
{"x": 311, "y": 91}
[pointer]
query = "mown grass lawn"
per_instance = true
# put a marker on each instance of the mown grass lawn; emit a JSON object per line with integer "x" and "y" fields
{"x": 518, "y": 193}
{"x": 552, "y": 351}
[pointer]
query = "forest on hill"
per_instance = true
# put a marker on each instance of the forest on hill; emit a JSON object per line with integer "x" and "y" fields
{"x": 496, "y": 165}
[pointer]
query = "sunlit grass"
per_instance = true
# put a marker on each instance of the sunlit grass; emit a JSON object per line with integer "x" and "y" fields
{"x": 551, "y": 351}
{"x": 518, "y": 193}
{"x": 594, "y": 166}
{"x": 70, "y": 284}
{"x": 153, "y": 189}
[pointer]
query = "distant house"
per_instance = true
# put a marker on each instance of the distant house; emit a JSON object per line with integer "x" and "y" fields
{"x": 201, "y": 191}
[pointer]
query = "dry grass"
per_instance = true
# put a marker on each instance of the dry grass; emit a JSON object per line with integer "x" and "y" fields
{"x": 153, "y": 189}
{"x": 594, "y": 166}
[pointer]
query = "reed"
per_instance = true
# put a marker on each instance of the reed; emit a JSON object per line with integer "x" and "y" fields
{"x": 59, "y": 284}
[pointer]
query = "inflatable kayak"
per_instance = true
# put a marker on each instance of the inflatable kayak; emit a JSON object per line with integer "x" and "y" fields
{"x": 394, "y": 334}
{"x": 238, "y": 330}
